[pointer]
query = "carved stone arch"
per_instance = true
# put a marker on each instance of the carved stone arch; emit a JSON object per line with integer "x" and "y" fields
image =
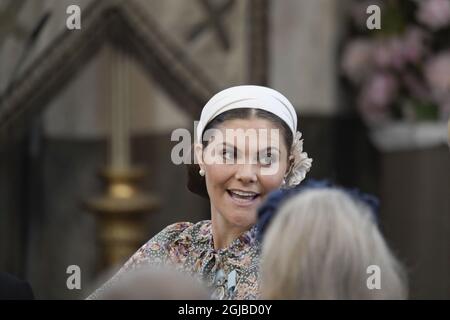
{"x": 123, "y": 25}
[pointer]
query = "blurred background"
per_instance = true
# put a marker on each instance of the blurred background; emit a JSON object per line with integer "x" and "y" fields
{"x": 87, "y": 114}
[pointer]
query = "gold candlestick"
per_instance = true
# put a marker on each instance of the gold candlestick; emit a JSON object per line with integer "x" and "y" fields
{"x": 120, "y": 213}
{"x": 120, "y": 114}
{"x": 121, "y": 210}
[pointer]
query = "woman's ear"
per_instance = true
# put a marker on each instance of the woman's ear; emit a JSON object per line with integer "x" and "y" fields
{"x": 198, "y": 151}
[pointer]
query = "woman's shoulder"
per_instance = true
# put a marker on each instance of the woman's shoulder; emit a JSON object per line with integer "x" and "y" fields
{"x": 158, "y": 248}
{"x": 161, "y": 247}
{"x": 180, "y": 228}
{"x": 181, "y": 231}
{"x": 176, "y": 228}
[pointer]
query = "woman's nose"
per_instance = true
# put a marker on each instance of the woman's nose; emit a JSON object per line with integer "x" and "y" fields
{"x": 246, "y": 173}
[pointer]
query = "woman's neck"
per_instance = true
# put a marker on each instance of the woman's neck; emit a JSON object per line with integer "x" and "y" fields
{"x": 223, "y": 233}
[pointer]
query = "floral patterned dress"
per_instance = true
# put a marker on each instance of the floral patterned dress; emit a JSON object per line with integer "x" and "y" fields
{"x": 231, "y": 273}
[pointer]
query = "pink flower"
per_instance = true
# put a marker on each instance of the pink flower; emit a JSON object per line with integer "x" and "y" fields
{"x": 155, "y": 246}
{"x": 389, "y": 53}
{"x": 357, "y": 60}
{"x": 376, "y": 96}
{"x": 435, "y": 14}
{"x": 437, "y": 72}
{"x": 396, "y": 51}
{"x": 414, "y": 47}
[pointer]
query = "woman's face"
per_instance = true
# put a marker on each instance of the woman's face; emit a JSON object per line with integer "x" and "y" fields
{"x": 244, "y": 161}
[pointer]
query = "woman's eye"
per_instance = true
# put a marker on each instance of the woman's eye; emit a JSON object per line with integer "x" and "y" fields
{"x": 266, "y": 159}
{"x": 228, "y": 155}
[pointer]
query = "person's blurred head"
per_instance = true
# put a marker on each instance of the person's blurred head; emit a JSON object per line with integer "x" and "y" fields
{"x": 147, "y": 283}
{"x": 320, "y": 245}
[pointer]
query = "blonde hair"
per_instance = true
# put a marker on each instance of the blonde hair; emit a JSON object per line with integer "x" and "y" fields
{"x": 320, "y": 245}
{"x": 155, "y": 283}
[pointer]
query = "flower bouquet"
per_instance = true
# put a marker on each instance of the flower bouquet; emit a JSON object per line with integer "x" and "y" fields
{"x": 399, "y": 75}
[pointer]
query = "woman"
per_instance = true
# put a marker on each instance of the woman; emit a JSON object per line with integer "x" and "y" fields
{"x": 247, "y": 145}
{"x": 323, "y": 243}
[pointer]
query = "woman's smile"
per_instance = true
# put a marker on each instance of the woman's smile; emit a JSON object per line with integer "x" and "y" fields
{"x": 243, "y": 198}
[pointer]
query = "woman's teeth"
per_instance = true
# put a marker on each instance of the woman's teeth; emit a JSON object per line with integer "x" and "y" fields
{"x": 242, "y": 195}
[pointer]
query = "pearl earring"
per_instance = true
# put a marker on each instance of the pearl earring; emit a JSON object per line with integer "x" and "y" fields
{"x": 201, "y": 172}
{"x": 283, "y": 182}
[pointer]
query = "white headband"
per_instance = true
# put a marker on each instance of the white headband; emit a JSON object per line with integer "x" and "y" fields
{"x": 256, "y": 97}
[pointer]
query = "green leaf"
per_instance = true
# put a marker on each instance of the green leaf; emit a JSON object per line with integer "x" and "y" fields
{"x": 426, "y": 111}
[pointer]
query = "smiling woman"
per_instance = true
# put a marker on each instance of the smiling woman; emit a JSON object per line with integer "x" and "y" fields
{"x": 247, "y": 146}
{"x": 233, "y": 166}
